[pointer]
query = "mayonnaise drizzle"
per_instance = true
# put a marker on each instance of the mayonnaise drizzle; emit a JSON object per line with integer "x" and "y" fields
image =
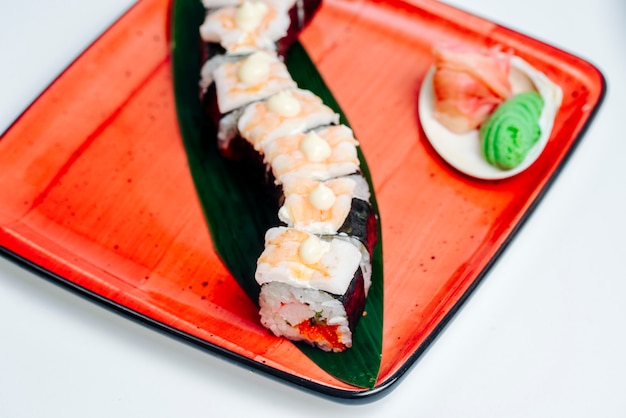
{"x": 311, "y": 250}
{"x": 315, "y": 148}
{"x": 249, "y": 15}
{"x": 322, "y": 197}
{"x": 284, "y": 104}
{"x": 255, "y": 69}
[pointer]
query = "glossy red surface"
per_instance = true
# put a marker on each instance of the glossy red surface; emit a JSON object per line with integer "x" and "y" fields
{"x": 95, "y": 188}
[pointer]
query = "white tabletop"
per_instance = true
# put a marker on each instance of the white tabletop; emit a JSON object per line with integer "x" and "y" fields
{"x": 543, "y": 335}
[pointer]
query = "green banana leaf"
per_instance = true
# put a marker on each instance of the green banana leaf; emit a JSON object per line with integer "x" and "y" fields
{"x": 238, "y": 213}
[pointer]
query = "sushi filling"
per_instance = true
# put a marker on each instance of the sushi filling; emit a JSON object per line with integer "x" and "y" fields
{"x": 310, "y": 315}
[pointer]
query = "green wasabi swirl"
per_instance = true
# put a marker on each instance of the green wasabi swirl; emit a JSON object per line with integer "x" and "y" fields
{"x": 511, "y": 130}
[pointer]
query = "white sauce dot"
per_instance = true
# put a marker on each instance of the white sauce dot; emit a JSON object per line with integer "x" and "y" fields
{"x": 311, "y": 250}
{"x": 255, "y": 69}
{"x": 249, "y": 15}
{"x": 315, "y": 148}
{"x": 284, "y": 104}
{"x": 322, "y": 197}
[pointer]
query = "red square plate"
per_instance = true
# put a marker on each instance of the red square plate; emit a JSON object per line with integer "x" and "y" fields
{"x": 95, "y": 190}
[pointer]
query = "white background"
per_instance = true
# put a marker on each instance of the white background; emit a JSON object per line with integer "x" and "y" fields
{"x": 543, "y": 336}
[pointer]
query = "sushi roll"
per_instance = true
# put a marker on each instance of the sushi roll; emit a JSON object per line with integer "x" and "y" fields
{"x": 286, "y": 112}
{"x": 315, "y": 270}
{"x": 244, "y": 42}
{"x": 336, "y": 206}
{"x": 236, "y": 83}
{"x": 312, "y": 288}
{"x": 321, "y": 154}
{"x": 244, "y": 26}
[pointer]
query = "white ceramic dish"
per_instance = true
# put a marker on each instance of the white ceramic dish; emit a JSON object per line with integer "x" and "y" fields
{"x": 462, "y": 151}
